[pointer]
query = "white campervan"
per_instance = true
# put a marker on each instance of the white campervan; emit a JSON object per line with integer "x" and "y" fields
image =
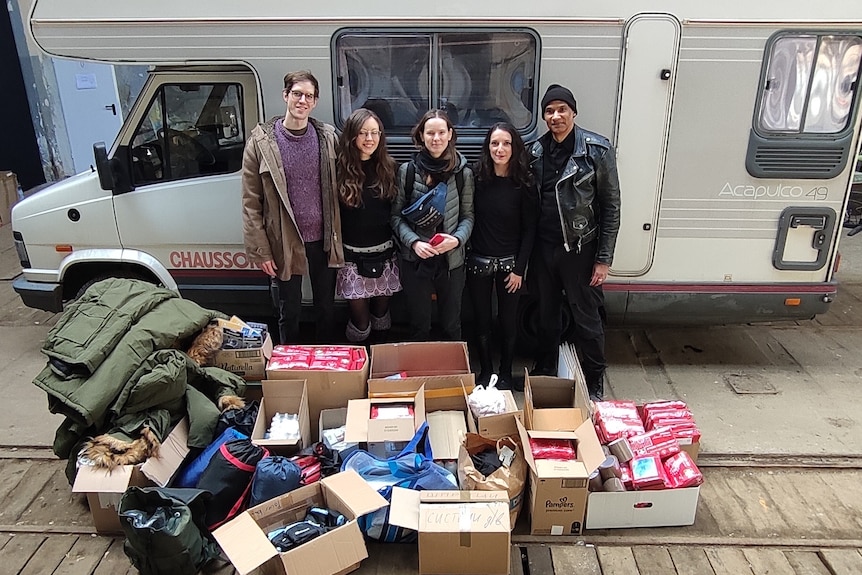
{"x": 734, "y": 123}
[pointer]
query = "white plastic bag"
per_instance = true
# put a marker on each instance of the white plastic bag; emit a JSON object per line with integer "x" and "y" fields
{"x": 487, "y": 400}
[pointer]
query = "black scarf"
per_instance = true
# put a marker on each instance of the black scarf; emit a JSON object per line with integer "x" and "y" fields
{"x": 428, "y": 165}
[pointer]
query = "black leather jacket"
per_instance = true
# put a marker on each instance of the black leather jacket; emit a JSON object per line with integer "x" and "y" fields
{"x": 588, "y": 192}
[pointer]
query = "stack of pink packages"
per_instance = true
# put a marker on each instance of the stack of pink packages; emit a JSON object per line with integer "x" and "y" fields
{"x": 330, "y": 357}
{"x": 645, "y": 440}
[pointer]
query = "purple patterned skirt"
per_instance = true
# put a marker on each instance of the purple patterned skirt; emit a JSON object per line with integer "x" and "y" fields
{"x": 350, "y": 285}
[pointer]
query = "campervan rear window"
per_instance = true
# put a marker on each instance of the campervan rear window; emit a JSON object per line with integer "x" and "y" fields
{"x": 479, "y": 77}
{"x": 806, "y": 106}
{"x": 811, "y": 82}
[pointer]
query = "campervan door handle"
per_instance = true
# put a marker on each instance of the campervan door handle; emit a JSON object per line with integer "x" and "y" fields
{"x": 816, "y": 222}
{"x": 112, "y": 108}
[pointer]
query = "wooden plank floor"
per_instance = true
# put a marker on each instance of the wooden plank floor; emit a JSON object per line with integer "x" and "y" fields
{"x": 98, "y": 555}
{"x": 750, "y": 522}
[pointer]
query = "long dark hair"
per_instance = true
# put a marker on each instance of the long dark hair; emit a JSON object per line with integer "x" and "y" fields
{"x": 449, "y": 156}
{"x": 350, "y": 176}
{"x": 519, "y": 168}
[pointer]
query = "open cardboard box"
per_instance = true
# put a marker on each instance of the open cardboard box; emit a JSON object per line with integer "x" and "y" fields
{"x": 333, "y": 419}
{"x": 384, "y": 437}
{"x": 500, "y": 425}
{"x": 105, "y": 488}
{"x": 558, "y": 489}
{"x": 442, "y": 367}
{"x": 460, "y": 532}
{"x": 327, "y": 389}
{"x": 248, "y": 363}
{"x": 446, "y": 432}
{"x": 244, "y": 538}
{"x": 554, "y": 403}
{"x": 283, "y": 396}
{"x": 648, "y": 508}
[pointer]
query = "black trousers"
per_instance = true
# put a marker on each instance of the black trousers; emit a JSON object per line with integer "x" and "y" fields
{"x": 418, "y": 289}
{"x": 323, "y": 292}
{"x": 552, "y": 271}
{"x": 481, "y": 290}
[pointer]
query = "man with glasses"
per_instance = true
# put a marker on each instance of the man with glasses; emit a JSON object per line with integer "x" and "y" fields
{"x": 291, "y": 221}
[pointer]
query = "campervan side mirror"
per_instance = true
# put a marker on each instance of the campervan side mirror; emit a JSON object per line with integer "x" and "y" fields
{"x": 103, "y": 166}
{"x": 113, "y": 173}
{"x": 229, "y": 122}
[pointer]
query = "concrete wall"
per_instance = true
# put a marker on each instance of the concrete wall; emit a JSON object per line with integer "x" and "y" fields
{"x": 46, "y": 109}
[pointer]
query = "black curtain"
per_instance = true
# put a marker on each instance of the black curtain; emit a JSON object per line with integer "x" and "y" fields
{"x": 18, "y": 149}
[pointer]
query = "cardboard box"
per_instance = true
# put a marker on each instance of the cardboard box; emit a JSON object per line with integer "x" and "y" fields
{"x": 664, "y": 508}
{"x": 249, "y": 363}
{"x": 333, "y": 419}
{"x": 384, "y": 437}
{"x": 500, "y": 425}
{"x": 326, "y": 389}
{"x": 558, "y": 489}
{"x": 554, "y": 404}
{"x": 105, "y": 488}
{"x": 460, "y": 532}
{"x": 8, "y": 195}
{"x": 569, "y": 367}
{"x": 244, "y": 540}
{"x": 446, "y": 432}
{"x": 440, "y": 366}
{"x": 285, "y": 396}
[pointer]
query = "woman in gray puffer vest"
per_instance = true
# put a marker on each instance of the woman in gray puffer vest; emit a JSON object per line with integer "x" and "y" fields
{"x": 432, "y": 249}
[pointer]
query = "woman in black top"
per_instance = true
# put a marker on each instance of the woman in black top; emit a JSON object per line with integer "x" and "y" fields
{"x": 506, "y": 209}
{"x": 366, "y": 187}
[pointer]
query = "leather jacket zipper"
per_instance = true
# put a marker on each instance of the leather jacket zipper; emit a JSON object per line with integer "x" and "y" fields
{"x": 566, "y": 245}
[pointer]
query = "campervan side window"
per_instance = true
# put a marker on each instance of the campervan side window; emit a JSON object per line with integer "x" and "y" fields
{"x": 478, "y": 77}
{"x": 806, "y": 106}
{"x": 189, "y": 130}
{"x": 811, "y": 82}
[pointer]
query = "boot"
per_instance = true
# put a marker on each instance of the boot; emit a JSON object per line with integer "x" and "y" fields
{"x": 381, "y": 323}
{"x": 354, "y": 334}
{"x": 596, "y": 387}
{"x": 507, "y": 352}
{"x": 485, "y": 370}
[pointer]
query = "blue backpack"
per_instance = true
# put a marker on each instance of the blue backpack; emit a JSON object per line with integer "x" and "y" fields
{"x": 274, "y": 476}
{"x": 410, "y": 470}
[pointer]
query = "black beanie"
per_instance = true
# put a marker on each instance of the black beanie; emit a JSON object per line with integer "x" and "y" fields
{"x": 557, "y": 92}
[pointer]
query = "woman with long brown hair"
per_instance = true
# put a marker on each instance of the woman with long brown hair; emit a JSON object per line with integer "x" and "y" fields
{"x": 366, "y": 188}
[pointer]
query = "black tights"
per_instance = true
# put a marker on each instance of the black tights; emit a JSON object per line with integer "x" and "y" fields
{"x": 362, "y": 309}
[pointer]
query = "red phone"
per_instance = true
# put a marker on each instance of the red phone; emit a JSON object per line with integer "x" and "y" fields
{"x": 436, "y": 239}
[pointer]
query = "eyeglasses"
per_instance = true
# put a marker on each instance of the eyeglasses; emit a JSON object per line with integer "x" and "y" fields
{"x": 373, "y": 133}
{"x": 298, "y": 95}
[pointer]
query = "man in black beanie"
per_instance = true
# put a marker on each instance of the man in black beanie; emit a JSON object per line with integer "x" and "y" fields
{"x": 576, "y": 171}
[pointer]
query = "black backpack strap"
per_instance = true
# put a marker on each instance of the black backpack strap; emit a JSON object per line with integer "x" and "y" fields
{"x": 409, "y": 181}
{"x": 459, "y": 180}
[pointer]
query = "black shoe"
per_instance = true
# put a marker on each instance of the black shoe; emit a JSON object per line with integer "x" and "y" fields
{"x": 596, "y": 396}
{"x": 504, "y": 381}
{"x": 543, "y": 370}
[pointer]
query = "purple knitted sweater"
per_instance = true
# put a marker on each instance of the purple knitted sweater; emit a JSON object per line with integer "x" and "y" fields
{"x": 301, "y": 158}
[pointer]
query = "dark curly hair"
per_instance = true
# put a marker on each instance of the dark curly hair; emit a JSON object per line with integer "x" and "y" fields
{"x": 519, "y": 168}
{"x": 350, "y": 176}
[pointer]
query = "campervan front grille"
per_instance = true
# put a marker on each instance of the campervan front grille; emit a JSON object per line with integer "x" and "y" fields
{"x": 803, "y": 163}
